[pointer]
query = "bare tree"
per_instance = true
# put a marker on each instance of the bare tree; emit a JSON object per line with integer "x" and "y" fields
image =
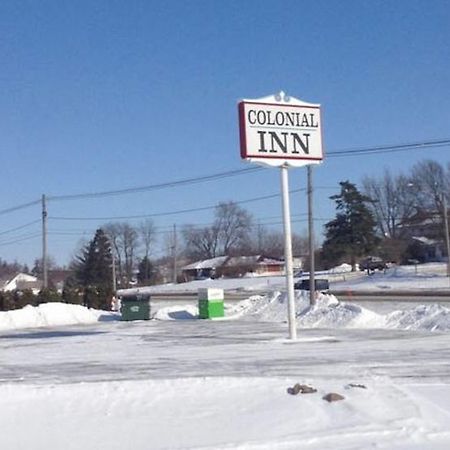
{"x": 393, "y": 202}
{"x": 233, "y": 225}
{"x": 129, "y": 242}
{"x": 227, "y": 235}
{"x": 430, "y": 183}
{"x": 271, "y": 243}
{"x": 124, "y": 242}
{"x": 147, "y": 233}
{"x": 200, "y": 243}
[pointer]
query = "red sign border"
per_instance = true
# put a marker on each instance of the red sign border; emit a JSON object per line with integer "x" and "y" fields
{"x": 243, "y": 136}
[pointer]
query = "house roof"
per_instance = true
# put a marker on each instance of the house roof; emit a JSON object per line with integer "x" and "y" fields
{"x": 22, "y": 281}
{"x": 424, "y": 240}
{"x": 232, "y": 261}
{"x": 4, "y": 280}
{"x": 207, "y": 263}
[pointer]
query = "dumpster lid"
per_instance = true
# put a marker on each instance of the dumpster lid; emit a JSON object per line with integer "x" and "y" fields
{"x": 135, "y": 297}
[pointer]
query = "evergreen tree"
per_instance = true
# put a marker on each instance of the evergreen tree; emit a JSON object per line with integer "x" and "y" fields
{"x": 47, "y": 295}
{"x": 71, "y": 290}
{"x": 146, "y": 271}
{"x": 94, "y": 272}
{"x": 352, "y": 233}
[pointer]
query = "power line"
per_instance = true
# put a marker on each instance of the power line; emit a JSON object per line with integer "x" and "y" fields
{"x": 155, "y": 187}
{"x": 22, "y": 239}
{"x": 20, "y": 227}
{"x": 237, "y": 172}
{"x": 171, "y": 213}
{"x": 166, "y": 229}
{"x": 16, "y": 208}
{"x": 389, "y": 148}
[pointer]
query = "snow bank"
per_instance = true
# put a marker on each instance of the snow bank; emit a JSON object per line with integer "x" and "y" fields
{"x": 51, "y": 314}
{"x": 328, "y": 312}
{"x": 423, "y": 317}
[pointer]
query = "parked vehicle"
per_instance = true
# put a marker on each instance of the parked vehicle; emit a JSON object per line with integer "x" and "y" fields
{"x": 321, "y": 284}
{"x": 372, "y": 263}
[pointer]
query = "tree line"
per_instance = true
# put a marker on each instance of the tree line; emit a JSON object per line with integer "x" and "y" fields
{"x": 372, "y": 219}
{"x": 376, "y": 218}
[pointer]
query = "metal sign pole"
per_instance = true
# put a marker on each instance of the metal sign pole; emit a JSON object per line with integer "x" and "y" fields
{"x": 447, "y": 241}
{"x": 288, "y": 252}
{"x": 312, "y": 265}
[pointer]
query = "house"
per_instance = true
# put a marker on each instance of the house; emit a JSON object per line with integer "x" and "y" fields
{"x": 257, "y": 264}
{"x": 423, "y": 223}
{"x": 424, "y": 233}
{"x": 427, "y": 250}
{"x": 20, "y": 281}
{"x": 233, "y": 266}
{"x": 203, "y": 269}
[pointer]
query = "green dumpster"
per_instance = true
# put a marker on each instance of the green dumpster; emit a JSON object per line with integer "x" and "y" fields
{"x": 210, "y": 303}
{"x": 135, "y": 307}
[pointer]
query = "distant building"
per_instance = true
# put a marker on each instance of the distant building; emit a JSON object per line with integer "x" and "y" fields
{"x": 20, "y": 281}
{"x": 424, "y": 233}
{"x": 206, "y": 268}
{"x": 233, "y": 266}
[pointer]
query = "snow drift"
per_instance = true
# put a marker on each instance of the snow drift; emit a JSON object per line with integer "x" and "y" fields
{"x": 328, "y": 312}
{"x": 52, "y": 314}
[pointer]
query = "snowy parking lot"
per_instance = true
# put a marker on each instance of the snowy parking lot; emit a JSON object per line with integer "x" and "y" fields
{"x": 72, "y": 378}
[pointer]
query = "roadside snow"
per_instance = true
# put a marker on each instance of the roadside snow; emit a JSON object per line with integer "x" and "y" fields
{"x": 51, "y": 314}
{"x": 328, "y": 312}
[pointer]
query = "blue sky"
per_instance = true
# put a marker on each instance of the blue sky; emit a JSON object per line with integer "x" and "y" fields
{"x": 105, "y": 95}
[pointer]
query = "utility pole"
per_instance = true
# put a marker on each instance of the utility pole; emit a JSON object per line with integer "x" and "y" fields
{"x": 114, "y": 282}
{"x": 259, "y": 237}
{"x": 174, "y": 247}
{"x": 312, "y": 268}
{"x": 44, "y": 243}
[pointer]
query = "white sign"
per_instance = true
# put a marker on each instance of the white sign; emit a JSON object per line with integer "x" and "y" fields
{"x": 279, "y": 130}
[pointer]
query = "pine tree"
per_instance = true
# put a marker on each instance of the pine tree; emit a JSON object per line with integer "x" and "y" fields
{"x": 146, "y": 271}
{"x": 352, "y": 233}
{"x": 71, "y": 290}
{"x": 94, "y": 272}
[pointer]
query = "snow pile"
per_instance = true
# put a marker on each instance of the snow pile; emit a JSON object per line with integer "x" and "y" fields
{"x": 343, "y": 268}
{"x": 339, "y": 315}
{"x": 51, "y": 314}
{"x": 186, "y": 312}
{"x": 423, "y": 317}
{"x": 328, "y": 311}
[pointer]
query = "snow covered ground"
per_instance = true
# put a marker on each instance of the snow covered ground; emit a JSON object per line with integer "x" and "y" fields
{"x": 74, "y": 378}
{"x": 429, "y": 277}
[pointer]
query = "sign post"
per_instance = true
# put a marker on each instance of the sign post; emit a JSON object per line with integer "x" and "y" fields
{"x": 282, "y": 131}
